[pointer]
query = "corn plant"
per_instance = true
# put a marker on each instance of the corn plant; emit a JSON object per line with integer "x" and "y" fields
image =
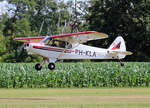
{"x": 69, "y": 75}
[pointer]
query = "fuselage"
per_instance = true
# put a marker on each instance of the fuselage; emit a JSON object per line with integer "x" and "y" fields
{"x": 80, "y": 51}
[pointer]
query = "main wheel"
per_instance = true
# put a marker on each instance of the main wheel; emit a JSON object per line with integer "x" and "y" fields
{"x": 51, "y": 66}
{"x": 38, "y": 67}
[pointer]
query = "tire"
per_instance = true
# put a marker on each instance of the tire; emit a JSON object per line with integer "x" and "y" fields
{"x": 51, "y": 66}
{"x": 38, "y": 67}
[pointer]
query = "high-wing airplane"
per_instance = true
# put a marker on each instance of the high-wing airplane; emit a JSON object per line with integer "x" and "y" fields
{"x": 69, "y": 46}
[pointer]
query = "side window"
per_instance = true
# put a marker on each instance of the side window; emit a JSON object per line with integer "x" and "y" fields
{"x": 53, "y": 43}
{"x": 62, "y": 44}
{"x": 67, "y": 45}
{"x": 58, "y": 43}
{"x": 70, "y": 46}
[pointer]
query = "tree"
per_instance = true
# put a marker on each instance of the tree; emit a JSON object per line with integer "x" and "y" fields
{"x": 22, "y": 27}
{"x": 127, "y": 18}
{"x": 32, "y": 18}
{"x": 3, "y": 18}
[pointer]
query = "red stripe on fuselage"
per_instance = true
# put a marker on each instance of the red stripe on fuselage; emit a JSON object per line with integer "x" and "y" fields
{"x": 52, "y": 49}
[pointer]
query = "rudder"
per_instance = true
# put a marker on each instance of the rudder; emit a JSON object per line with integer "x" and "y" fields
{"x": 118, "y": 44}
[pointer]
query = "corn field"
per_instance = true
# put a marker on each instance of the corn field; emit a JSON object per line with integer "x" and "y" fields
{"x": 78, "y": 75}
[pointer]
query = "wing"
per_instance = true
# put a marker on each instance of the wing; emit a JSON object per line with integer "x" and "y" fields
{"x": 23, "y": 39}
{"x": 80, "y": 37}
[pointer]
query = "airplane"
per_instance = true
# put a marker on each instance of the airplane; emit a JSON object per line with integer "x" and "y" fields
{"x": 70, "y": 46}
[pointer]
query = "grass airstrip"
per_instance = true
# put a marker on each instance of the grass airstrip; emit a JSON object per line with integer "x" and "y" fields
{"x": 75, "y": 98}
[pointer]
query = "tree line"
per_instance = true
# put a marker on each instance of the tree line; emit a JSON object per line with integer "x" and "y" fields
{"x": 127, "y": 18}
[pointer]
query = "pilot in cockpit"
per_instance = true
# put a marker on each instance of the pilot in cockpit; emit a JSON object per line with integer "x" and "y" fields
{"x": 62, "y": 44}
{"x": 53, "y": 43}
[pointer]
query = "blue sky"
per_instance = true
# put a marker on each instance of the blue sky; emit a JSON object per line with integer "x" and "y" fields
{"x": 3, "y": 7}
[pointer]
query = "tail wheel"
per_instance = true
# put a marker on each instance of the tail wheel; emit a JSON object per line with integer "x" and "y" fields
{"x": 122, "y": 64}
{"x": 38, "y": 67}
{"x": 51, "y": 66}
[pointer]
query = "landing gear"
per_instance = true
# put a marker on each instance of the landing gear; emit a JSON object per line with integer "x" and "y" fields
{"x": 51, "y": 66}
{"x": 121, "y": 63}
{"x": 38, "y": 67}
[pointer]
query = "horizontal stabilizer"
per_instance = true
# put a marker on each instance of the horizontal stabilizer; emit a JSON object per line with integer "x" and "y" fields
{"x": 115, "y": 52}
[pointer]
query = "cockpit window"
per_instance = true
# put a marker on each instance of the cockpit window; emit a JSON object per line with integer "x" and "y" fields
{"x": 56, "y": 43}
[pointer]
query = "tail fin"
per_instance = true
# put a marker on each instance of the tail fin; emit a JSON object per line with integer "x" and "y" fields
{"x": 118, "y": 48}
{"x": 118, "y": 44}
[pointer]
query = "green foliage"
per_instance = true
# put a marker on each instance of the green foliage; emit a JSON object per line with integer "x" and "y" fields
{"x": 22, "y": 27}
{"x": 3, "y": 19}
{"x": 26, "y": 19}
{"x": 127, "y": 18}
{"x": 75, "y": 75}
{"x": 2, "y": 46}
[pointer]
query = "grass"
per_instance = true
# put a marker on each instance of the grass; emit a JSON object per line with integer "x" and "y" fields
{"x": 75, "y": 98}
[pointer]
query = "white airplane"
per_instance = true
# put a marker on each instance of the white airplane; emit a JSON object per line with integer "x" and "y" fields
{"x": 69, "y": 46}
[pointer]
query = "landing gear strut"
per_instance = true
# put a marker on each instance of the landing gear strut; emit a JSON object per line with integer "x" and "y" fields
{"x": 51, "y": 66}
{"x": 121, "y": 63}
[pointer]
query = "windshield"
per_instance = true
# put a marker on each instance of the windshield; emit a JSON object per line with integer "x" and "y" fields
{"x": 45, "y": 39}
